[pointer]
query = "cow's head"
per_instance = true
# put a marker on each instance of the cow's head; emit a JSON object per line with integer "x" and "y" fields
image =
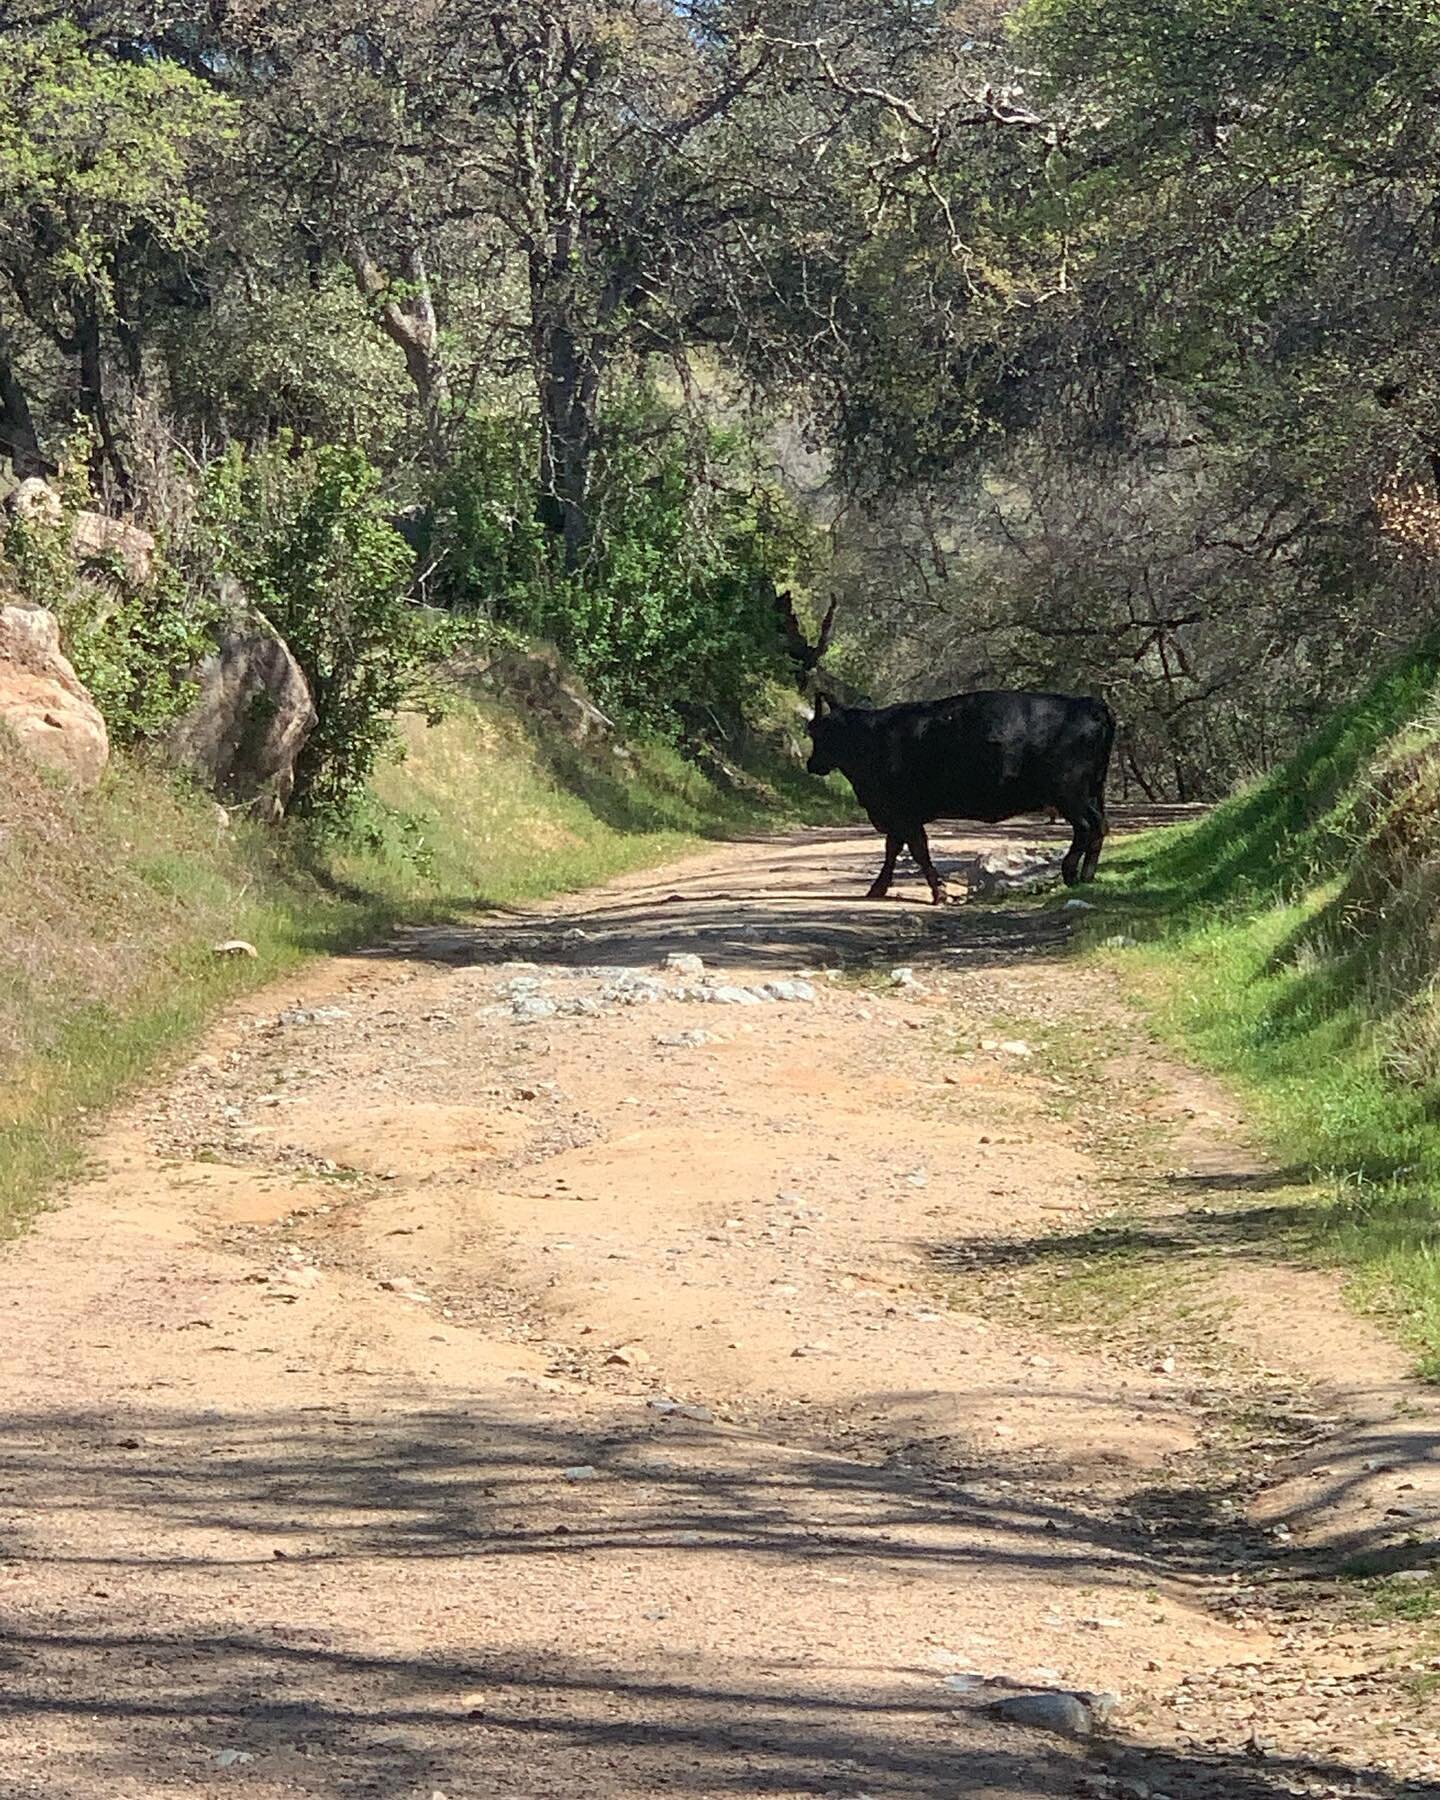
{"x": 827, "y": 736}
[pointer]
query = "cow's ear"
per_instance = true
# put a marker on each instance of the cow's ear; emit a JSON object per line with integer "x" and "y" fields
{"x": 823, "y": 704}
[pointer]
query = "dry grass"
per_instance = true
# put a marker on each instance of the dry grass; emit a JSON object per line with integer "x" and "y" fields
{"x": 97, "y": 894}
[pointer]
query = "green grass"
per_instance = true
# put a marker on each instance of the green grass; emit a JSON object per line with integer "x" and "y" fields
{"x": 1291, "y": 941}
{"x": 1415, "y": 1603}
{"x": 111, "y": 902}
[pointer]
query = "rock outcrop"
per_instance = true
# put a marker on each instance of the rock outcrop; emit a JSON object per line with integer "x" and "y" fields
{"x": 35, "y": 502}
{"x": 540, "y": 681}
{"x": 252, "y": 715}
{"x": 97, "y": 541}
{"x": 43, "y": 704}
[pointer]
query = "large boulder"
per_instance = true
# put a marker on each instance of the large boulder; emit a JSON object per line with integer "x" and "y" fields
{"x": 43, "y": 704}
{"x": 34, "y": 502}
{"x": 252, "y": 715}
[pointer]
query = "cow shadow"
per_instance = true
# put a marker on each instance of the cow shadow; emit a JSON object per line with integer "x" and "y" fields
{"x": 798, "y": 902}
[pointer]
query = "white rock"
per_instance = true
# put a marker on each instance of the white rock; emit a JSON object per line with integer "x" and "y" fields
{"x": 306, "y": 1276}
{"x": 682, "y": 1409}
{"x": 800, "y": 992}
{"x": 533, "y": 1006}
{"x": 903, "y": 978}
{"x": 682, "y": 963}
{"x": 634, "y": 989}
{"x": 733, "y": 996}
{"x": 1071, "y": 1715}
{"x": 582, "y": 1472}
{"x": 234, "y": 947}
{"x": 406, "y": 1289}
{"x": 1078, "y": 906}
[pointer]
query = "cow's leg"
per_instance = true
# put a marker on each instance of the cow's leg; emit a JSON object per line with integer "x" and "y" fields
{"x": 880, "y": 887}
{"x": 1079, "y": 844}
{"x": 1099, "y": 827}
{"x": 920, "y": 850}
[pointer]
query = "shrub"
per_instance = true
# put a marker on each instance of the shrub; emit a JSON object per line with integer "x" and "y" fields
{"x": 671, "y": 620}
{"x": 303, "y": 529}
{"x": 133, "y": 646}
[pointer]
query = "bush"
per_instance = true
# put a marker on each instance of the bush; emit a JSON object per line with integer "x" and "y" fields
{"x": 136, "y": 650}
{"x": 303, "y": 529}
{"x": 489, "y": 548}
{"x": 671, "y": 622}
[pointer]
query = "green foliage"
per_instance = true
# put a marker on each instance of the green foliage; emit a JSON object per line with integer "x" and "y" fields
{"x": 1311, "y": 74}
{"x": 95, "y": 151}
{"x": 284, "y": 355}
{"x": 1293, "y": 938}
{"x": 43, "y": 567}
{"x": 491, "y": 550}
{"x": 671, "y": 619}
{"x": 303, "y": 530}
{"x": 133, "y": 646}
{"x": 136, "y": 649}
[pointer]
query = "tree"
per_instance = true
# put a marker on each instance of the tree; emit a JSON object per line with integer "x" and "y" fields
{"x": 98, "y": 162}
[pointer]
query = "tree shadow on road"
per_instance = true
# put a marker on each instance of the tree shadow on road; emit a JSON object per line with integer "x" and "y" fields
{"x": 339, "y": 1723}
{"x": 279, "y": 1520}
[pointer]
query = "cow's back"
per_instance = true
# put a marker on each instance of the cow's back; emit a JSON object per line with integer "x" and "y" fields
{"x": 992, "y": 753}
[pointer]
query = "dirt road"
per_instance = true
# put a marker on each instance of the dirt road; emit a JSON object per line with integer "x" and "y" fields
{"x": 473, "y": 1375}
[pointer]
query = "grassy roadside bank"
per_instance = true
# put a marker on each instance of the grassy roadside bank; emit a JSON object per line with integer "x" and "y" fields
{"x": 1291, "y": 942}
{"x": 111, "y": 903}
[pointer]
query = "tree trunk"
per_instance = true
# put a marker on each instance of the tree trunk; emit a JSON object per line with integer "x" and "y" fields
{"x": 107, "y": 455}
{"x": 569, "y": 390}
{"x": 409, "y": 321}
{"x": 567, "y": 384}
{"x": 18, "y": 438}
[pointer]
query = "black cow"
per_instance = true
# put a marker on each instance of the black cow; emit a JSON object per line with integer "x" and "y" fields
{"x": 982, "y": 756}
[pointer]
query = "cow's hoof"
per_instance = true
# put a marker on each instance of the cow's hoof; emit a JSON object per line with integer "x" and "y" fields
{"x": 940, "y": 897}
{"x": 877, "y": 894}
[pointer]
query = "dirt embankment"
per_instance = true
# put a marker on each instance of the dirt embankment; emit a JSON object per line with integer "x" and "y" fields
{"x": 498, "y": 1366}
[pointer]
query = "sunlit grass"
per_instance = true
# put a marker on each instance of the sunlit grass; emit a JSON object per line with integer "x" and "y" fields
{"x": 1291, "y": 941}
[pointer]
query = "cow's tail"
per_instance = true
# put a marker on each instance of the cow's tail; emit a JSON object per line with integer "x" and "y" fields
{"x": 1109, "y": 728}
